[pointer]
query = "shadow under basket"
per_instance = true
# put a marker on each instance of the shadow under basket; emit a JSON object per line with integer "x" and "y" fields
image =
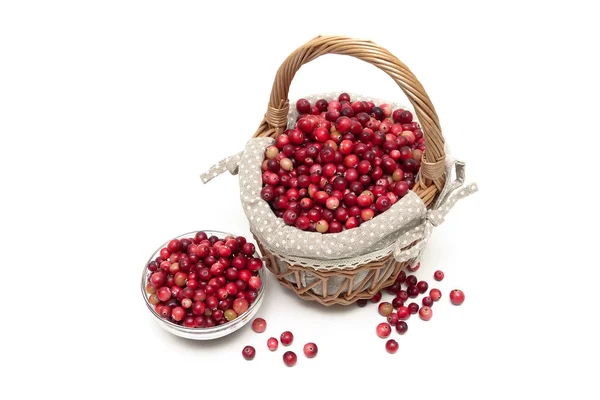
{"x": 346, "y": 286}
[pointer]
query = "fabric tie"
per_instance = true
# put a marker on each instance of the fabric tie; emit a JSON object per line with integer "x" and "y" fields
{"x": 231, "y": 164}
{"x": 434, "y": 217}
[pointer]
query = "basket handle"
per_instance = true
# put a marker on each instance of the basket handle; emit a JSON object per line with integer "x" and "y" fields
{"x": 275, "y": 121}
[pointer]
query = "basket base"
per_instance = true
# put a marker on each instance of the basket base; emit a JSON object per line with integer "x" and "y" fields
{"x": 335, "y": 287}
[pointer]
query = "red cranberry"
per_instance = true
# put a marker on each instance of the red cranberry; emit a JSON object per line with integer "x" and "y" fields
{"x": 249, "y": 352}
{"x": 310, "y": 350}
{"x": 422, "y": 286}
{"x": 425, "y": 313}
{"x": 403, "y": 313}
{"x": 413, "y": 291}
{"x": 411, "y": 280}
{"x": 438, "y": 275}
{"x": 457, "y": 297}
{"x": 376, "y": 297}
{"x": 259, "y": 325}
{"x": 251, "y": 296}
{"x": 157, "y": 279}
{"x": 272, "y": 344}
{"x": 286, "y": 338}
{"x": 290, "y": 358}
{"x": 435, "y": 294}
{"x": 361, "y": 302}
{"x": 383, "y": 330}
{"x": 401, "y": 327}
{"x": 392, "y": 319}
{"x": 165, "y": 311}
{"x": 427, "y": 301}
{"x": 413, "y": 307}
{"x": 164, "y": 293}
{"x": 402, "y": 295}
{"x": 391, "y": 346}
{"x": 401, "y": 277}
{"x": 397, "y": 302}
{"x": 255, "y": 283}
{"x": 178, "y": 313}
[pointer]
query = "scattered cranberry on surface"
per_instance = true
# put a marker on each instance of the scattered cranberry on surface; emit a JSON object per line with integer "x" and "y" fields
{"x": 392, "y": 319}
{"x": 290, "y": 358}
{"x": 438, "y": 275}
{"x": 310, "y": 350}
{"x": 376, "y": 298}
{"x": 361, "y": 302}
{"x": 435, "y": 294}
{"x": 391, "y": 346}
{"x": 383, "y": 330}
{"x": 286, "y": 338}
{"x": 385, "y": 308}
{"x": 272, "y": 344}
{"x": 422, "y": 286}
{"x": 427, "y": 301}
{"x": 403, "y": 313}
{"x": 401, "y": 327}
{"x": 457, "y": 297}
{"x": 413, "y": 308}
{"x": 248, "y": 352}
{"x": 259, "y": 325}
{"x": 425, "y": 313}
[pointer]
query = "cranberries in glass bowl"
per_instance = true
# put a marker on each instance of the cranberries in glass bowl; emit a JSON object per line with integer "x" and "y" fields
{"x": 204, "y": 285}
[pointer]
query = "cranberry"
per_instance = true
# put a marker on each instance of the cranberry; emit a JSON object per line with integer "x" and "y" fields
{"x": 383, "y": 330}
{"x": 286, "y": 338}
{"x": 391, "y": 346}
{"x": 397, "y": 302}
{"x": 413, "y": 307}
{"x": 413, "y": 291}
{"x": 376, "y": 297}
{"x": 401, "y": 277}
{"x": 251, "y": 296}
{"x": 438, "y": 275}
{"x": 259, "y": 325}
{"x": 255, "y": 283}
{"x": 385, "y": 308}
{"x": 422, "y": 286}
{"x": 402, "y": 295}
{"x": 310, "y": 350}
{"x": 457, "y": 297}
{"x": 401, "y": 327}
{"x": 361, "y": 302}
{"x": 411, "y": 280}
{"x": 249, "y": 352}
{"x": 403, "y": 313}
{"x": 272, "y": 344}
{"x": 290, "y": 358}
{"x": 435, "y": 294}
{"x": 392, "y": 318}
{"x": 425, "y": 313}
{"x": 178, "y": 313}
{"x": 217, "y": 315}
{"x": 427, "y": 301}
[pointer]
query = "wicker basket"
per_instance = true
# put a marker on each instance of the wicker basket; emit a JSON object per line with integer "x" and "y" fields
{"x": 431, "y": 178}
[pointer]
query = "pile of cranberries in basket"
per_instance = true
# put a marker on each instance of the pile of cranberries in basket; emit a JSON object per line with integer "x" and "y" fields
{"x": 343, "y": 163}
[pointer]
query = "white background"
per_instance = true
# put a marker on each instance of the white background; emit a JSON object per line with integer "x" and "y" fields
{"x": 110, "y": 110}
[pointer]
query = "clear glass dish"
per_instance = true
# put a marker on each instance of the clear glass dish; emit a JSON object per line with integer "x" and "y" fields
{"x": 203, "y": 333}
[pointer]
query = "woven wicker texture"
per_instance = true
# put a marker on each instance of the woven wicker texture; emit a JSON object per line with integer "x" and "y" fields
{"x": 365, "y": 280}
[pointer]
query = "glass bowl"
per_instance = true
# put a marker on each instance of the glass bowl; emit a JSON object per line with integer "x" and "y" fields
{"x": 213, "y": 332}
